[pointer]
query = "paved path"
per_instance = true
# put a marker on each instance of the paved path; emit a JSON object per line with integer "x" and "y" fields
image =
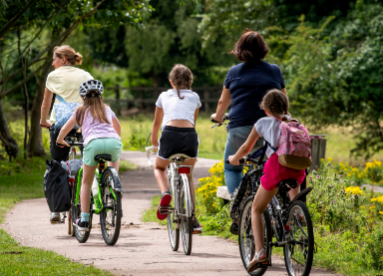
{"x": 143, "y": 248}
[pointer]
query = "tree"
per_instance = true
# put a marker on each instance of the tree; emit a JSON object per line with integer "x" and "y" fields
{"x": 60, "y": 19}
{"x": 170, "y": 36}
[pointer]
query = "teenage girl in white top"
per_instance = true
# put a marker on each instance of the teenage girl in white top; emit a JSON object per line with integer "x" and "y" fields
{"x": 177, "y": 108}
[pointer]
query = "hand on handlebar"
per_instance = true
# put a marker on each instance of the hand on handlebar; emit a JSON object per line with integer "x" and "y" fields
{"x": 62, "y": 144}
{"x": 214, "y": 119}
{"x": 233, "y": 161}
{"x": 47, "y": 124}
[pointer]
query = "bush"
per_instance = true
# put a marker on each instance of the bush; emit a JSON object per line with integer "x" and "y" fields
{"x": 373, "y": 251}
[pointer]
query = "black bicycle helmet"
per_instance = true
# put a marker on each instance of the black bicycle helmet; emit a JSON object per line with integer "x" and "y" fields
{"x": 91, "y": 86}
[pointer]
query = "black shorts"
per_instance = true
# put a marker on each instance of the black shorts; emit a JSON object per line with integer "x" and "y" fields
{"x": 57, "y": 153}
{"x": 178, "y": 140}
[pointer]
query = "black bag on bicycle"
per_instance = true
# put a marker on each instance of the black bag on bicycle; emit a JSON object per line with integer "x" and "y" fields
{"x": 56, "y": 187}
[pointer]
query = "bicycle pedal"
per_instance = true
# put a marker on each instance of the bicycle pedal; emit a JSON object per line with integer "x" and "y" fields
{"x": 262, "y": 265}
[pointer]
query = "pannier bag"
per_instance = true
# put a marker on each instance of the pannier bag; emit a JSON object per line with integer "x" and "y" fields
{"x": 56, "y": 187}
{"x": 72, "y": 166}
{"x": 294, "y": 148}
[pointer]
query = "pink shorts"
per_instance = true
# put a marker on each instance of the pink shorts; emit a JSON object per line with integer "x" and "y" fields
{"x": 275, "y": 173}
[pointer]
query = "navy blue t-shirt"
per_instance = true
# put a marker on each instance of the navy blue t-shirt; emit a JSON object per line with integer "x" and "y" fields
{"x": 248, "y": 83}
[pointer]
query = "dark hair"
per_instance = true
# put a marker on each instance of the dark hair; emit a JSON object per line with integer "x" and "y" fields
{"x": 181, "y": 77}
{"x": 276, "y": 102}
{"x": 93, "y": 102}
{"x": 70, "y": 54}
{"x": 250, "y": 48}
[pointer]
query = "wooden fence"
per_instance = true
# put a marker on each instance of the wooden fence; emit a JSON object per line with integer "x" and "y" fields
{"x": 146, "y": 97}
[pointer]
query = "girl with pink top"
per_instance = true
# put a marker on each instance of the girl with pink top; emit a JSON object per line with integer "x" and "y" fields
{"x": 276, "y": 106}
{"x": 101, "y": 131}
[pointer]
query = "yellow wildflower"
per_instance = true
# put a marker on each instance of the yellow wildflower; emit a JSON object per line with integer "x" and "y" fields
{"x": 372, "y": 207}
{"x": 329, "y": 159}
{"x": 381, "y": 212}
{"x": 355, "y": 190}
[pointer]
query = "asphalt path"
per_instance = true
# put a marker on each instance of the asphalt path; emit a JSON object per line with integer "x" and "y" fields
{"x": 143, "y": 248}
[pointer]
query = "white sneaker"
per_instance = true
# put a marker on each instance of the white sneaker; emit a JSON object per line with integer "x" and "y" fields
{"x": 55, "y": 217}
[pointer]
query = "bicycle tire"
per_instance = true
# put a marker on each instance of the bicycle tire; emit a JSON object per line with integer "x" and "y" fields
{"x": 173, "y": 224}
{"x": 110, "y": 219}
{"x": 296, "y": 254}
{"x": 246, "y": 237}
{"x": 186, "y": 221}
{"x": 81, "y": 236}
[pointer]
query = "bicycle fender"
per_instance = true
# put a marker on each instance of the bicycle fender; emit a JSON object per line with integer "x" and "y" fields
{"x": 302, "y": 194}
{"x": 116, "y": 180}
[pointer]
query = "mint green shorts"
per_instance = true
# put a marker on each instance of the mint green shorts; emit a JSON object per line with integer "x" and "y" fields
{"x": 110, "y": 146}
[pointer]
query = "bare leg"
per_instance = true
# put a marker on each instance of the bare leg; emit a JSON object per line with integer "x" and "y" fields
{"x": 262, "y": 198}
{"x": 115, "y": 164}
{"x": 160, "y": 173}
{"x": 87, "y": 179}
{"x": 294, "y": 192}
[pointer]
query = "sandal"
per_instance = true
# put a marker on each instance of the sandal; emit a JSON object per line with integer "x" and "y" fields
{"x": 163, "y": 207}
{"x": 253, "y": 265}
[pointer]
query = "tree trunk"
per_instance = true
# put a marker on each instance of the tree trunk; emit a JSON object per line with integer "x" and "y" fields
{"x": 10, "y": 144}
{"x": 36, "y": 147}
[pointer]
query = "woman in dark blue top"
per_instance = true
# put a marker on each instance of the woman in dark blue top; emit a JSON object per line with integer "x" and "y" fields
{"x": 244, "y": 87}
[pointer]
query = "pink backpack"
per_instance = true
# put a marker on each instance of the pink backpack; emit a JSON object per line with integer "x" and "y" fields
{"x": 294, "y": 147}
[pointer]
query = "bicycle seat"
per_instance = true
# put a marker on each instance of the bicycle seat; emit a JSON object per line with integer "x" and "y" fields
{"x": 102, "y": 158}
{"x": 179, "y": 157}
{"x": 292, "y": 183}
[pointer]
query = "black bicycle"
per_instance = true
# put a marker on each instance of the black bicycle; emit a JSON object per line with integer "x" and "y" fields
{"x": 287, "y": 223}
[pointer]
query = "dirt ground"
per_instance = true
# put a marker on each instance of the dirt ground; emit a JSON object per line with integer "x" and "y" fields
{"x": 143, "y": 248}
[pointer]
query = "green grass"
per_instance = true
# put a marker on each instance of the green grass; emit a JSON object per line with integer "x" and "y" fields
{"x": 23, "y": 179}
{"x": 150, "y": 215}
{"x": 33, "y": 261}
{"x": 135, "y": 130}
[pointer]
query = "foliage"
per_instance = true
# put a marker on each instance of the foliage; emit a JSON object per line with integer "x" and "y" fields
{"x": 169, "y": 37}
{"x": 372, "y": 172}
{"x": 33, "y": 261}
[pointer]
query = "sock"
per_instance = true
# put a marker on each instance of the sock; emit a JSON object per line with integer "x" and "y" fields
{"x": 85, "y": 217}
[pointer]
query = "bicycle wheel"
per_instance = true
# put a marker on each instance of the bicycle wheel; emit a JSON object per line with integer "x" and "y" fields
{"x": 173, "y": 224}
{"x": 186, "y": 220}
{"x": 246, "y": 236}
{"x": 300, "y": 251}
{"x": 81, "y": 236}
{"x": 110, "y": 217}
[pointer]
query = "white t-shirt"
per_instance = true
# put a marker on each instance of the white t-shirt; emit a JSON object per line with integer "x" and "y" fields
{"x": 65, "y": 81}
{"x": 176, "y": 108}
{"x": 268, "y": 128}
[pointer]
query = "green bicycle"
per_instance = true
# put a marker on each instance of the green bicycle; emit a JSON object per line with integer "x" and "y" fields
{"x": 107, "y": 202}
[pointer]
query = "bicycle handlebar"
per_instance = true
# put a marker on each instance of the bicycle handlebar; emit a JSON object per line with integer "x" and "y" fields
{"x": 149, "y": 150}
{"x": 226, "y": 117}
{"x": 71, "y": 141}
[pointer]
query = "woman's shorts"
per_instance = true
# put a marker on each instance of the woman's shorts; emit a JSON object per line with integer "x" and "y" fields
{"x": 178, "y": 140}
{"x": 275, "y": 173}
{"x": 110, "y": 146}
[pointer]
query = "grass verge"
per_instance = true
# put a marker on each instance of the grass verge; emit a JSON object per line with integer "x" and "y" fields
{"x": 20, "y": 180}
{"x": 16, "y": 259}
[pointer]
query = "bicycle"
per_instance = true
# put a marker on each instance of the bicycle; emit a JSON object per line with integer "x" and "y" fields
{"x": 71, "y": 138}
{"x": 288, "y": 221}
{"x": 179, "y": 216}
{"x": 107, "y": 202}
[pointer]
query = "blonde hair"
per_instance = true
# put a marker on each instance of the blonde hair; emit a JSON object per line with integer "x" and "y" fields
{"x": 69, "y": 53}
{"x": 276, "y": 102}
{"x": 181, "y": 77}
{"x": 92, "y": 102}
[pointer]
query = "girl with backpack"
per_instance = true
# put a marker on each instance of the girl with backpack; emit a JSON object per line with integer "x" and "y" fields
{"x": 177, "y": 108}
{"x": 101, "y": 131}
{"x": 276, "y": 105}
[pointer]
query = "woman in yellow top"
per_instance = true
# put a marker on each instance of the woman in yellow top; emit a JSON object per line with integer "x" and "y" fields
{"x": 64, "y": 81}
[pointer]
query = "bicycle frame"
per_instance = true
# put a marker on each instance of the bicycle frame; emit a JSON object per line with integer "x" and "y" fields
{"x": 97, "y": 200}
{"x": 176, "y": 188}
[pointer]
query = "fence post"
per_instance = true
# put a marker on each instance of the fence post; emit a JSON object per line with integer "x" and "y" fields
{"x": 318, "y": 150}
{"x": 206, "y": 97}
{"x": 117, "y": 96}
